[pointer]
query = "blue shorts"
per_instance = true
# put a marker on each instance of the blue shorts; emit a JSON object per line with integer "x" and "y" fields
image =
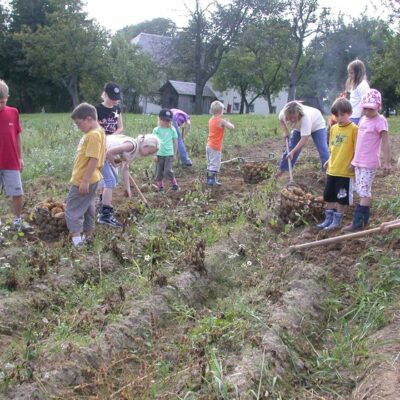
{"x": 110, "y": 175}
{"x": 11, "y": 181}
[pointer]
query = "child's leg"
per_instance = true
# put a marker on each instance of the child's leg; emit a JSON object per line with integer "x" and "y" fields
{"x": 169, "y": 173}
{"x": 74, "y": 212}
{"x": 330, "y": 199}
{"x": 160, "y": 172}
{"x": 213, "y": 165}
{"x": 110, "y": 177}
{"x": 89, "y": 216}
{"x": 343, "y": 190}
{"x": 364, "y": 179}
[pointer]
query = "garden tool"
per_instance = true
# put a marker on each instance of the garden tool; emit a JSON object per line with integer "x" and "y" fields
{"x": 336, "y": 239}
{"x": 146, "y": 203}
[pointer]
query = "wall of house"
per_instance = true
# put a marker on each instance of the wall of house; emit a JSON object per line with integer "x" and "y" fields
{"x": 231, "y": 99}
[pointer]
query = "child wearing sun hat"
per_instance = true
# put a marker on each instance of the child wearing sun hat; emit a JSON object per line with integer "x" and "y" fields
{"x": 372, "y": 137}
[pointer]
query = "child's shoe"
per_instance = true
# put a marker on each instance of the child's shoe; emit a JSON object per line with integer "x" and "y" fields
{"x": 160, "y": 186}
{"x": 22, "y": 226}
{"x": 174, "y": 184}
{"x": 217, "y": 182}
{"x": 328, "y": 219}
{"x": 211, "y": 178}
{"x": 360, "y": 220}
{"x": 106, "y": 217}
{"x": 336, "y": 221}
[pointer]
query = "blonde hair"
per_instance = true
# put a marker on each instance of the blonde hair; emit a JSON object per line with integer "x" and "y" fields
{"x": 293, "y": 107}
{"x": 3, "y": 90}
{"x": 216, "y": 107}
{"x": 83, "y": 111}
{"x": 360, "y": 73}
{"x": 149, "y": 140}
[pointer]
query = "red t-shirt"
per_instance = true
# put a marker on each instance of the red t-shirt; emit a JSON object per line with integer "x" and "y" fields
{"x": 10, "y": 128}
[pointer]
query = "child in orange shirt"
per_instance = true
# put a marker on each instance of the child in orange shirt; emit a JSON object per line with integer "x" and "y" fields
{"x": 216, "y": 130}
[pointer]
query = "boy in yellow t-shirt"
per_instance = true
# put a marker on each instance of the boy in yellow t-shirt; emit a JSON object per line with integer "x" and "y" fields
{"x": 339, "y": 180}
{"x": 89, "y": 160}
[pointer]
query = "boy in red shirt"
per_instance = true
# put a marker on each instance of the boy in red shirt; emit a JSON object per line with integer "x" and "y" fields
{"x": 216, "y": 130}
{"x": 11, "y": 162}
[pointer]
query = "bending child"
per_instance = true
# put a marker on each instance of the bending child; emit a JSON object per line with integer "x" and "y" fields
{"x": 216, "y": 130}
{"x": 338, "y": 191}
{"x": 372, "y": 134}
{"x": 167, "y": 152}
{"x": 86, "y": 173}
{"x": 121, "y": 151}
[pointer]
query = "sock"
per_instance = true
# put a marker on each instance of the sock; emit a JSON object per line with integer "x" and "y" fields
{"x": 76, "y": 240}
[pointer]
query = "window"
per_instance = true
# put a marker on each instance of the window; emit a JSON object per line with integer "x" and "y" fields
{"x": 236, "y": 107}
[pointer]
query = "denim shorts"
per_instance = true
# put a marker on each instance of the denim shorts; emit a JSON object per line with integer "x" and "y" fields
{"x": 110, "y": 175}
{"x": 11, "y": 181}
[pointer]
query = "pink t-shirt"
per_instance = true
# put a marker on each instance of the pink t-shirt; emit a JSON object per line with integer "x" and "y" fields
{"x": 368, "y": 146}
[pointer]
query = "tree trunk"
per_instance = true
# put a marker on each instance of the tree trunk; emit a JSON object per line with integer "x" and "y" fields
{"x": 72, "y": 87}
{"x": 198, "y": 105}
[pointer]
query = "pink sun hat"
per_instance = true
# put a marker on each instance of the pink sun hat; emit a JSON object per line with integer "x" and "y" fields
{"x": 371, "y": 99}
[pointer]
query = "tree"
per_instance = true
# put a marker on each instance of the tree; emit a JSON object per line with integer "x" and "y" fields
{"x": 133, "y": 70}
{"x": 307, "y": 22}
{"x": 69, "y": 50}
{"x": 211, "y": 32}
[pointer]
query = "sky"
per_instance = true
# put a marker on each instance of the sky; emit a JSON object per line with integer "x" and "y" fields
{"x": 116, "y": 14}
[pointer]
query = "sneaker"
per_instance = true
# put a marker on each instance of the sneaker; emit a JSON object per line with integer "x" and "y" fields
{"x": 22, "y": 226}
{"x": 108, "y": 219}
{"x": 175, "y": 187}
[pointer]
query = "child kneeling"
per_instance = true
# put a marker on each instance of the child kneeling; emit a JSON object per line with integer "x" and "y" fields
{"x": 121, "y": 151}
{"x": 338, "y": 191}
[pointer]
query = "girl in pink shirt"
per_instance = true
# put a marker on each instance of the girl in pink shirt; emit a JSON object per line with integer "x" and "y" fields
{"x": 372, "y": 135}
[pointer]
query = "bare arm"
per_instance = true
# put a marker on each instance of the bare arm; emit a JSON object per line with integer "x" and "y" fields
{"x": 285, "y": 129}
{"x": 19, "y": 149}
{"x": 302, "y": 142}
{"x": 227, "y": 124}
{"x": 125, "y": 178}
{"x": 91, "y": 166}
{"x": 120, "y": 126}
{"x": 386, "y": 151}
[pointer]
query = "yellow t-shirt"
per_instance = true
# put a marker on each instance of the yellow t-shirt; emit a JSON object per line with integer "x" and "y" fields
{"x": 342, "y": 144}
{"x": 92, "y": 145}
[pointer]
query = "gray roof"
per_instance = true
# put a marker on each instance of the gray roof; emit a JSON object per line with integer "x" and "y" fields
{"x": 158, "y": 47}
{"x": 189, "y": 88}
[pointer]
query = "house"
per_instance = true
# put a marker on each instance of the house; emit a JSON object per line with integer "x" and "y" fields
{"x": 181, "y": 94}
{"x": 177, "y": 94}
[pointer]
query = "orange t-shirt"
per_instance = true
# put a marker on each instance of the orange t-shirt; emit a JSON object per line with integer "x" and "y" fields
{"x": 215, "y": 133}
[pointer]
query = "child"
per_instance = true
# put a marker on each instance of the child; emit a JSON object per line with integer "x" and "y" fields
{"x": 357, "y": 86}
{"x": 109, "y": 111}
{"x": 89, "y": 159}
{"x": 339, "y": 180}
{"x": 11, "y": 162}
{"x": 168, "y": 149}
{"x": 372, "y": 133}
{"x": 305, "y": 121}
{"x": 181, "y": 122}
{"x": 122, "y": 150}
{"x": 216, "y": 130}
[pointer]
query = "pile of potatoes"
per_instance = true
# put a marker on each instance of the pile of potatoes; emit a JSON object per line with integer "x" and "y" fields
{"x": 50, "y": 219}
{"x": 255, "y": 172}
{"x": 296, "y": 201}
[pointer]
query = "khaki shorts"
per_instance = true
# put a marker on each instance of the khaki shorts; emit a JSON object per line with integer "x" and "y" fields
{"x": 11, "y": 181}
